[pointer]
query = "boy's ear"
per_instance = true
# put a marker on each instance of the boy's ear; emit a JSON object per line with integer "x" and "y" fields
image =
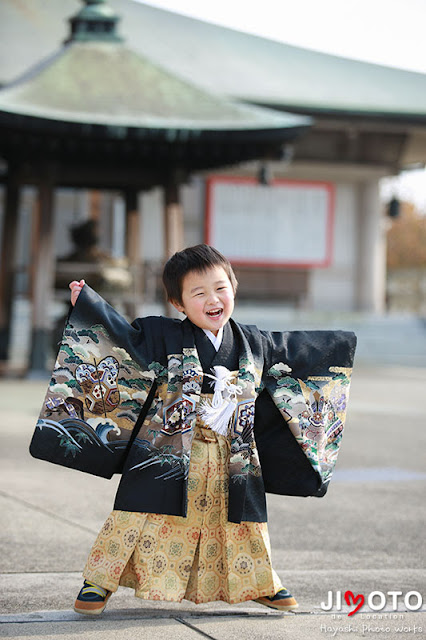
{"x": 177, "y": 305}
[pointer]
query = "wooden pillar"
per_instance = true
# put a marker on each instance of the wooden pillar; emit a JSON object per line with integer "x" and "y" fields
{"x": 8, "y": 249}
{"x": 173, "y": 227}
{"x": 42, "y": 281}
{"x": 95, "y": 205}
{"x": 133, "y": 250}
{"x": 173, "y": 219}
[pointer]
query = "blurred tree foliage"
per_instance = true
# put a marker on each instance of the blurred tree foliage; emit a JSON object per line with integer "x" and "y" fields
{"x": 406, "y": 239}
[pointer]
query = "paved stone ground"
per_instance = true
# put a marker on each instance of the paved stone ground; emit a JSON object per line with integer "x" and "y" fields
{"x": 366, "y": 534}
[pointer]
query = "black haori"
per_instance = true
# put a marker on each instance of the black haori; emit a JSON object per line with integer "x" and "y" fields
{"x": 124, "y": 398}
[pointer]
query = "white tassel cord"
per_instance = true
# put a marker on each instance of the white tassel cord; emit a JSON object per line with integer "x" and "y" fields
{"x": 218, "y": 413}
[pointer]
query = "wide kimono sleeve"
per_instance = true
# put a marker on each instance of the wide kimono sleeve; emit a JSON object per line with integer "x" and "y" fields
{"x": 300, "y": 414}
{"x": 101, "y": 388}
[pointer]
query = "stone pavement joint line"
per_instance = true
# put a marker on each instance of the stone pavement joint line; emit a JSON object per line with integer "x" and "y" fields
{"x": 194, "y": 628}
{"x": 129, "y": 614}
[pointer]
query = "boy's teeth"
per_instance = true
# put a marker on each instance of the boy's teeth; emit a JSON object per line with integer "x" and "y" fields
{"x": 214, "y": 313}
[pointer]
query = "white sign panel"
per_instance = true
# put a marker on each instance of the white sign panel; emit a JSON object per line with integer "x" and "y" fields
{"x": 286, "y": 223}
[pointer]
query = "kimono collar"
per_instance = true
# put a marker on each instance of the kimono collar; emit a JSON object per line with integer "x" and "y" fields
{"x": 215, "y": 340}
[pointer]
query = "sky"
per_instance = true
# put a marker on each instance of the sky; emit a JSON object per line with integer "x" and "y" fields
{"x": 389, "y": 32}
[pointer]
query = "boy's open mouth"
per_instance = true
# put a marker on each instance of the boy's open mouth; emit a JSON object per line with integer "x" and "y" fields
{"x": 215, "y": 313}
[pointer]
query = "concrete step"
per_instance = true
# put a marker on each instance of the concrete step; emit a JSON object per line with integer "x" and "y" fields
{"x": 382, "y": 339}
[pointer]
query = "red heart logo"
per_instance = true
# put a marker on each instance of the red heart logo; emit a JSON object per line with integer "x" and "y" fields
{"x": 359, "y": 598}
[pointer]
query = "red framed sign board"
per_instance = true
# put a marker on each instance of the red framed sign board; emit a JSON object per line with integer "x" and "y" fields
{"x": 287, "y": 223}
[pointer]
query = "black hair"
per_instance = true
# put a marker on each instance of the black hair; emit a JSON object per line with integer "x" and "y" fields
{"x": 198, "y": 258}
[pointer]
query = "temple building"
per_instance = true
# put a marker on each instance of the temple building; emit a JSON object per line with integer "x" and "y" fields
{"x": 128, "y": 132}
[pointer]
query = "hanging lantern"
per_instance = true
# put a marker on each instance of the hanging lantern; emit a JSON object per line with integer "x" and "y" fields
{"x": 394, "y": 208}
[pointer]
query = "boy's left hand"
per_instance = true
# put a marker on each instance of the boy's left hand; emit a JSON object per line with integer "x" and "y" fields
{"x": 75, "y": 287}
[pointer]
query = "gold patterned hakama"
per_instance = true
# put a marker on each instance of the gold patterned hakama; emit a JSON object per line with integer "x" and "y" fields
{"x": 202, "y": 557}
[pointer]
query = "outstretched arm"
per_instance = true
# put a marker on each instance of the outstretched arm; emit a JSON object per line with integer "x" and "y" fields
{"x": 307, "y": 374}
{"x": 98, "y": 389}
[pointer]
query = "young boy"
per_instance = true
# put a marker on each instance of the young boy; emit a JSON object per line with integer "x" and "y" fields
{"x": 172, "y": 405}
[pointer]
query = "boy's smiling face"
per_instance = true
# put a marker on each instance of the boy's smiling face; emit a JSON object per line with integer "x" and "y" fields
{"x": 207, "y": 298}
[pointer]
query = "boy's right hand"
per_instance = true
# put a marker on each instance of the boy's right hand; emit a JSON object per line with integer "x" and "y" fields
{"x": 75, "y": 287}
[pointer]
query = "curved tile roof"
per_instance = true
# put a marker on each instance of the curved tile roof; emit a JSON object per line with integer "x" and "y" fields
{"x": 107, "y": 83}
{"x": 223, "y": 60}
